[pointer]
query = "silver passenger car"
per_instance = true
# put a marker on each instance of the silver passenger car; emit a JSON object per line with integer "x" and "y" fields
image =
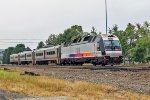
{"x": 14, "y": 59}
{"x": 26, "y": 57}
{"x": 47, "y": 55}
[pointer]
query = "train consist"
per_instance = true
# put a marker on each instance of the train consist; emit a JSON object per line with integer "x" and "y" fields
{"x": 99, "y": 50}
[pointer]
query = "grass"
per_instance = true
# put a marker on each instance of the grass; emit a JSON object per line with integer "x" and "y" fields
{"x": 49, "y": 86}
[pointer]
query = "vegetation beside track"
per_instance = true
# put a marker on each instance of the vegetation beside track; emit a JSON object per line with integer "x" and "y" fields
{"x": 50, "y": 86}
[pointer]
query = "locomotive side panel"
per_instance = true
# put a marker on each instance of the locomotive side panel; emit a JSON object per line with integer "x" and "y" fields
{"x": 80, "y": 51}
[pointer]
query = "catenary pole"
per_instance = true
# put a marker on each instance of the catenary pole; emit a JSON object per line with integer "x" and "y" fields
{"x": 106, "y": 15}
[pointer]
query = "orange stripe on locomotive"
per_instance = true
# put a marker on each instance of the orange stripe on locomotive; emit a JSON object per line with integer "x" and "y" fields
{"x": 87, "y": 54}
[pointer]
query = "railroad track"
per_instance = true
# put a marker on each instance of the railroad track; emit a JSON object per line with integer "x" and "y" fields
{"x": 90, "y": 67}
{"x": 110, "y": 68}
{"x": 115, "y": 68}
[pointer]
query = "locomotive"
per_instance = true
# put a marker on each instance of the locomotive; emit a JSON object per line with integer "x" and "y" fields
{"x": 104, "y": 49}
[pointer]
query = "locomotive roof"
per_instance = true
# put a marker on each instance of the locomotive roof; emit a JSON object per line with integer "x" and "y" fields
{"x": 107, "y": 36}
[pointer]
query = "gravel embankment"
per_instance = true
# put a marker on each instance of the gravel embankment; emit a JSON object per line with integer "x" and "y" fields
{"x": 134, "y": 80}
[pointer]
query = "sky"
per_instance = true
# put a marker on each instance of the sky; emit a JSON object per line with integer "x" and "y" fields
{"x": 31, "y": 21}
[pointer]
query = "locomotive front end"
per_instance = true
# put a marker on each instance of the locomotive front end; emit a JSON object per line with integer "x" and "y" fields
{"x": 112, "y": 51}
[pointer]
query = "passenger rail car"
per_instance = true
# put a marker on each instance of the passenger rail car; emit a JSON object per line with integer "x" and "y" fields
{"x": 47, "y": 55}
{"x": 26, "y": 57}
{"x": 14, "y": 58}
{"x": 101, "y": 49}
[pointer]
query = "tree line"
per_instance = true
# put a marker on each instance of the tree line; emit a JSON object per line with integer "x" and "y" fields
{"x": 13, "y": 50}
{"x": 135, "y": 40}
{"x": 69, "y": 35}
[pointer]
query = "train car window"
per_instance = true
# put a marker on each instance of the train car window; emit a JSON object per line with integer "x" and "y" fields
{"x": 39, "y": 54}
{"x": 29, "y": 55}
{"x": 51, "y": 53}
{"x": 22, "y": 56}
{"x": 47, "y": 53}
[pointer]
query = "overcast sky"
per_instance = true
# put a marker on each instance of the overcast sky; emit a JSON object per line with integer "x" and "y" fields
{"x": 37, "y": 19}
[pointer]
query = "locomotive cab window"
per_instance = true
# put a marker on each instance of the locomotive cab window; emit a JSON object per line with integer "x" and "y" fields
{"x": 112, "y": 45}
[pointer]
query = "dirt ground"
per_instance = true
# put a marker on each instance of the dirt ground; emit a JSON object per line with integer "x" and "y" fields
{"x": 4, "y": 95}
{"x": 132, "y": 80}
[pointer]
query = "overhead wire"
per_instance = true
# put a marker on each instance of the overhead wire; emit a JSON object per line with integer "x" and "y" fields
{"x": 14, "y": 41}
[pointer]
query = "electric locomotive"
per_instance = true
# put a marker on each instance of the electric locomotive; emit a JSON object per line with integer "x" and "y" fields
{"x": 101, "y": 49}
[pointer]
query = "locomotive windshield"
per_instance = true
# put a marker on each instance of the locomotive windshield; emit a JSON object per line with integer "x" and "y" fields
{"x": 112, "y": 45}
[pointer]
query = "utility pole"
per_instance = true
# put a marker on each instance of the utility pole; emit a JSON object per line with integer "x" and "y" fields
{"x": 106, "y": 15}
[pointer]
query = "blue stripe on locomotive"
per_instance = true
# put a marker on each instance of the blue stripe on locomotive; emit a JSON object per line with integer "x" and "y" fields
{"x": 72, "y": 55}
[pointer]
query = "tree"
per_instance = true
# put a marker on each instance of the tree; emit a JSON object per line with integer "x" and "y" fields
{"x": 67, "y": 36}
{"x": 6, "y": 55}
{"x": 74, "y": 32}
{"x": 52, "y": 40}
{"x": 28, "y": 49}
{"x": 19, "y": 48}
{"x": 135, "y": 40}
{"x": 12, "y": 50}
{"x": 40, "y": 45}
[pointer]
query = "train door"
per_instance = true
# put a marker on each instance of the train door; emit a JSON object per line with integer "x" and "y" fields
{"x": 58, "y": 55}
{"x": 102, "y": 48}
{"x": 25, "y": 56}
{"x": 33, "y": 58}
{"x": 44, "y": 54}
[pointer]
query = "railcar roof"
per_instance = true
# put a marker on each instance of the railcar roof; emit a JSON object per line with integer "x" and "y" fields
{"x": 25, "y": 52}
{"x": 14, "y": 55}
{"x": 47, "y": 48}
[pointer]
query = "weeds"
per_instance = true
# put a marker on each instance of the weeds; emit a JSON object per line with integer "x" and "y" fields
{"x": 50, "y": 86}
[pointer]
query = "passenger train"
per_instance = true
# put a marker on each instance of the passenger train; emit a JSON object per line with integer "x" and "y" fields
{"x": 104, "y": 49}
